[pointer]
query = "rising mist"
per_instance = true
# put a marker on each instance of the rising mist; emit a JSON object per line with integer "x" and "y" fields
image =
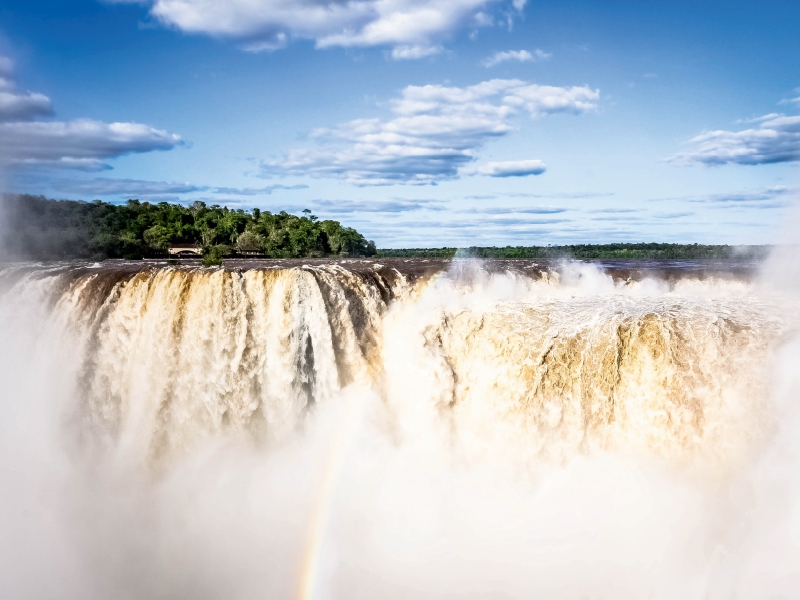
{"x": 321, "y": 433}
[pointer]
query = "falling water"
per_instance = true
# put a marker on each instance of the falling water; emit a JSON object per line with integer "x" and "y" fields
{"x": 324, "y": 431}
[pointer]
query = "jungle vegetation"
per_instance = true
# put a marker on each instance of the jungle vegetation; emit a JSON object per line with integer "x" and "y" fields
{"x": 42, "y": 229}
{"x": 38, "y": 228}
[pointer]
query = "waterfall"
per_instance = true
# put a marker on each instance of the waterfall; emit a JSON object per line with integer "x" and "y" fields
{"x": 453, "y": 409}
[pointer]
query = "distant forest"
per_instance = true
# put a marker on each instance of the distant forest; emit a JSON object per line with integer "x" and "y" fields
{"x": 590, "y": 251}
{"x": 37, "y": 228}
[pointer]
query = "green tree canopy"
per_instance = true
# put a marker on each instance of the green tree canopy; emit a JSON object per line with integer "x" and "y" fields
{"x": 39, "y": 228}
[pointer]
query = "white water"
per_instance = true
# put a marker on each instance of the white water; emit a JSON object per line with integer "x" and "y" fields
{"x": 289, "y": 434}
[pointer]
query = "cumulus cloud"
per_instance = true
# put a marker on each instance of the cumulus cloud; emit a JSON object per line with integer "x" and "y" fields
{"x": 776, "y": 140}
{"x": 413, "y": 27}
{"x": 436, "y": 130}
{"x": 16, "y": 105}
{"x": 82, "y": 144}
{"x": 518, "y": 55}
{"x": 512, "y": 168}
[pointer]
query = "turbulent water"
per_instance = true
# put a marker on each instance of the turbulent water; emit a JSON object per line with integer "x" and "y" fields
{"x": 371, "y": 430}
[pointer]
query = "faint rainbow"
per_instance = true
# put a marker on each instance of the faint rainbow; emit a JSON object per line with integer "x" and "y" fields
{"x": 320, "y": 515}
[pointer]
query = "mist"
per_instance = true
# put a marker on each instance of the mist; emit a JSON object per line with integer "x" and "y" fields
{"x": 170, "y": 434}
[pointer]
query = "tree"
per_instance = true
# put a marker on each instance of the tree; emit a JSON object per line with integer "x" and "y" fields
{"x": 249, "y": 241}
{"x": 48, "y": 229}
{"x": 157, "y": 237}
{"x": 207, "y": 236}
{"x": 214, "y": 255}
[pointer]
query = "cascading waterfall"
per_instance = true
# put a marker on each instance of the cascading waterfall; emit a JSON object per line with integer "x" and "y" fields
{"x": 430, "y": 407}
{"x": 174, "y": 356}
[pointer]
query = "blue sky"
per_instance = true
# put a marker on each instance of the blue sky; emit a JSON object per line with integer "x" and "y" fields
{"x": 419, "y": 122}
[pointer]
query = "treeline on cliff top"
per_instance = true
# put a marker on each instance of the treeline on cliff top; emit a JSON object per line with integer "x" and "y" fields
{"x": 651, "y": 251}
{"x": 37, "y": 228}
{"x": 42, "y": 229}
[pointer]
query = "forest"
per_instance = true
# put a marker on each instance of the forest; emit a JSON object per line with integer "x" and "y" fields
{"x": 38, "y": 228}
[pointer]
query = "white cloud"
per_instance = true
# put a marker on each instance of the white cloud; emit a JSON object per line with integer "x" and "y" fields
{"x": 266, "y": 190}
{"x": 540, "y": 100}
{"x": 481, "y": 19}
{"x": 765, "y": 198}
{"x": 435, "y": 131}
{"x": 413, "y": 27}
{"x": 792, "y": 100}
{"x": 413, "y": 52}
{"x": 552, "y": 195}
{"x": 776, "y": 140}
{"x": 16, "y": 105}
{"x": 759, "y": 197}
{"x": 518, "y": 55}
{"x": 525, "y": 210}
{"x": 102, "y": 186}
{"x": 512, "y": 168}
{"x": 613, "y": 211}
{"x": 392, "y": 205}
{"x": 81, "y": 144}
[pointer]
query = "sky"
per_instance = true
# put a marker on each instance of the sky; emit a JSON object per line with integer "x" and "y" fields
{"x": 421, "y": 123}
